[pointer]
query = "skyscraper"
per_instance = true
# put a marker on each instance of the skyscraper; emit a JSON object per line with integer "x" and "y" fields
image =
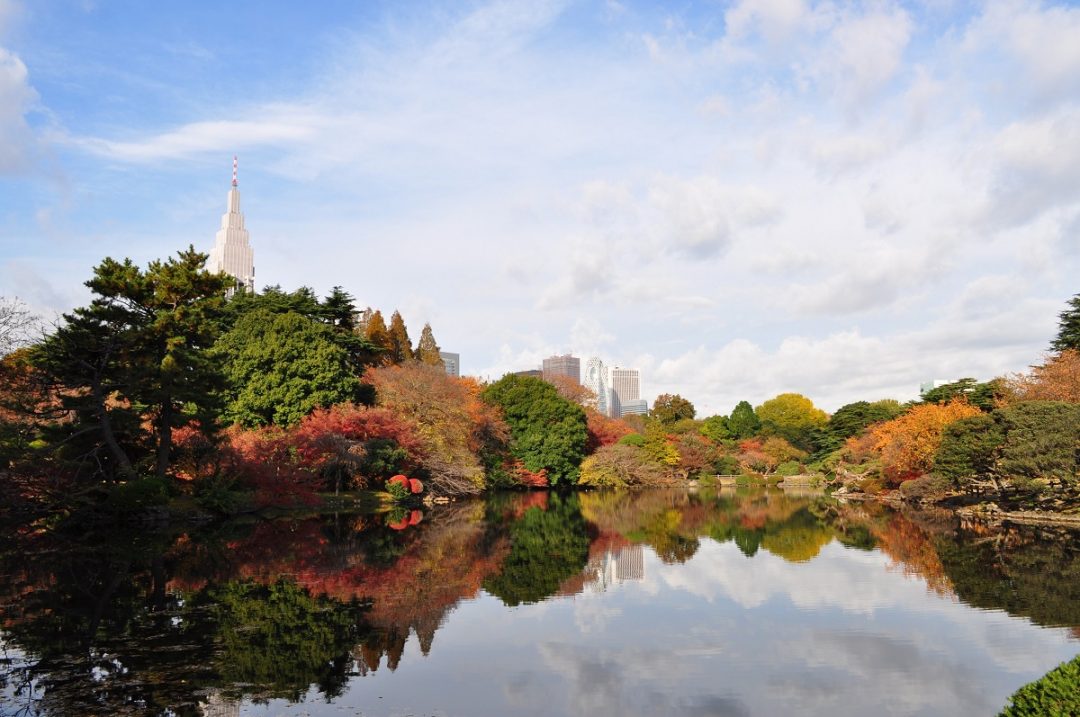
{"x": 232, "y": 252}
{"x": 626, "y": 385}
{"x": 565, "y": 365}
{"x": 596, "y": 380}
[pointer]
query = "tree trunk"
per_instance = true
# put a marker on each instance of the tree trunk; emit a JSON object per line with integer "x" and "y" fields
{"x": 126, "y": 468}
{"x": 164, "y": 438}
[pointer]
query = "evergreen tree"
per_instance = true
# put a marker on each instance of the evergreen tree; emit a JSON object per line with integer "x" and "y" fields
{"x": 743, "y": 422}
{"x": 379, "y": 337}
{"x": 135, "y": 362}
{"x": 427, "y": 351}
{"x": 338, "y": 309}
{"x": 400, "y": 346}
{"x": 1068, "y": 336}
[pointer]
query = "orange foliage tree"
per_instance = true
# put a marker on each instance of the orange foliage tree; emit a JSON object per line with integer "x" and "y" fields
{"x": 1057, "y": 379}
{"x": 456, "y": 430}
{"x": 572, "y": 390}
{"x": 603, "y": 431}
{"x": 907, "y": 444}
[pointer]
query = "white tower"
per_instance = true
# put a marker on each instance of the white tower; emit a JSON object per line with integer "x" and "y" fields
{"x": 232, "y": 252}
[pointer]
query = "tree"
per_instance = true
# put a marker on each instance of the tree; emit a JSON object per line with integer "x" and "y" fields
{"x": 400, "y": 346}
{"x": 137, "y": 359}
{"x": 984, "y": 396}
{"x": 339, "y": 309}
{"x": 572, "y": 390}
{"x": 669, "y": 408}
{"x": 968, "y": 449}
{"x": 1042, "y": 441}
{"x": 907, "y": 444}
{"x": 603, "y": 431}
{"x": 621, "y": 466}
{"x": 378, "y": 336}
{"x": 1068, "y": 336}
{"x": 852, "y": 418}
{"x": 743, "y": 422}
{"x": 427, "y": 351}
{"x": 547, "y": 431}
{"x": 16, "y": 323}
{"x": 460, "y": 433}
{"x": 716, "y": 429}
{"x": 1057, "y": 379}
{"x": 281, "y": 367}
{"x": 1055, "y": 693}
{"x": 793, "y": 417}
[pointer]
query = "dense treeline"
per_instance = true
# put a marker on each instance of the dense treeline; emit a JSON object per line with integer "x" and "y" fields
{"x": 164, "y": 386}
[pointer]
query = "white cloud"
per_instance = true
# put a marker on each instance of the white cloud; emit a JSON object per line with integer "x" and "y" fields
{"x": 17, "y": 97}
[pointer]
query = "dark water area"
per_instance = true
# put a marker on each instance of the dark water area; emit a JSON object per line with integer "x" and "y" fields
{"x": 652, "y": 603}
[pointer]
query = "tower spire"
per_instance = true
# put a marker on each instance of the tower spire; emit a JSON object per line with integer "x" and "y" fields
{"x": 234, "y": 164}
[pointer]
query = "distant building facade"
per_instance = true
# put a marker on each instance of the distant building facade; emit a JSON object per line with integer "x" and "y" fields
{"x": 565, "y": 365}
{"x": 626, "y": 386}
{"x": 638, "y": 407}
{"x": 928, "y": 386}
{"x": 530, "y": 372}
{"x": 596, "y": 380}
{"x": 452, "y": 362}
{"x": 232, "y": 252}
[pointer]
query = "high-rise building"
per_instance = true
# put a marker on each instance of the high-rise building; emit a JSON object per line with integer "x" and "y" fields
{"x": 596, "y": 380}
{"x": 565, "y": 365}
{"x": 452, "y": 362}
{"x": 626, "y": 385}
{"x": 232, "y": 252}
{"x": 640, "y": 407}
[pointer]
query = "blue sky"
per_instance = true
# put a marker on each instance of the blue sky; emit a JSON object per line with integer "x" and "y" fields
{"x": 744, "y": 198}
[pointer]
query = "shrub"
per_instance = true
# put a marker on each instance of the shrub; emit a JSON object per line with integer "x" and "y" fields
{"x": 925, "y": 488}
{"x": 632, "y": 439}
{"x": 398, "y": 487}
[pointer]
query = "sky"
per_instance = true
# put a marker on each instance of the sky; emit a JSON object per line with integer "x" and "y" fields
{"x": 738, "y": 198}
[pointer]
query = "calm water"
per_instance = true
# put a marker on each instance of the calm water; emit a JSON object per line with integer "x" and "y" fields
{"x": 659, "y": 603}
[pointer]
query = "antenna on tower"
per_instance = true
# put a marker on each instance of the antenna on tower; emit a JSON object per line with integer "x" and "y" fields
{"x": 234, "y": 163}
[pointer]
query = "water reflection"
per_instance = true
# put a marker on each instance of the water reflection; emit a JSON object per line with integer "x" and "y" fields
{"x": 660, "y": 602}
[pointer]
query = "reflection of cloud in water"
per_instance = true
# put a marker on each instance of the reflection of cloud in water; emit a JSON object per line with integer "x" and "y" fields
{"x": 838, "y": 577}
{"x": 619, "y": 682}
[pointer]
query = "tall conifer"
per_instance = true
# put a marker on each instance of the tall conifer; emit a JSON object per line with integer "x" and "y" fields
{"x": 400, "y": 346}
{"x": 427, "y": 351}
{"x": 376, "y": 333}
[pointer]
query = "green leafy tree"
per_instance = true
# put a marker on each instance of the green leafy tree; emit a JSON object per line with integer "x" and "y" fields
{"x": 715, "y": 428}
{"x": 794, "y": 417}
{"x": 427, "y": 351}
{"x": 547, "y": 432}
{"x": 400, "y": 346}
{"x": 280, "y": 367}
{"x": 658, "y": 447}
{"x": 670, "y": 408}
{"x": 743, "y": 422}
{"x": 136, "y": 361}
{"x": 1068, "y": 336}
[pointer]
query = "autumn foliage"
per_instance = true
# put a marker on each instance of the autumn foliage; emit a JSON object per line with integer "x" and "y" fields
{"x": 603, "y": 431}
{"x": 908, "y": 443}
{"x": 1057, "y": 379}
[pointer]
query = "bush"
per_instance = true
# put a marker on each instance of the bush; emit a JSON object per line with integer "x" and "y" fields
{"x": 871, "y": 486}
{"x": 925, "y": 488}
{"x": 633, "y": 439}
{"x": 139, "y": 494}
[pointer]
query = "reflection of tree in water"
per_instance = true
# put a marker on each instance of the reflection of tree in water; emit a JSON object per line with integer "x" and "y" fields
{"x": 1029, "y": 572}
{"x": 546, "y": 547}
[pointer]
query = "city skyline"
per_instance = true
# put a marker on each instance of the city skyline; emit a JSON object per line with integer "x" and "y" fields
{"x": 741, "y": 199}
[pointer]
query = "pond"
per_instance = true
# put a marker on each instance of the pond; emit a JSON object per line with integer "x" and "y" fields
{"x": 650, "y": 603}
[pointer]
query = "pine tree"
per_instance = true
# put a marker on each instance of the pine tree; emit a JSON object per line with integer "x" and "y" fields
{"x": 137, "y": 359}
{"x": 377, "y": 335}
{"x": 1068, "y": 327}
{"x": 427, "y": 351}
{"x": 400, "y": 346}
{"x": 339, "y": 310}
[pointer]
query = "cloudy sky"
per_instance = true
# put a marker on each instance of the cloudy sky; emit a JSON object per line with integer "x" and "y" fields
{"x": 739, "y": 198}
